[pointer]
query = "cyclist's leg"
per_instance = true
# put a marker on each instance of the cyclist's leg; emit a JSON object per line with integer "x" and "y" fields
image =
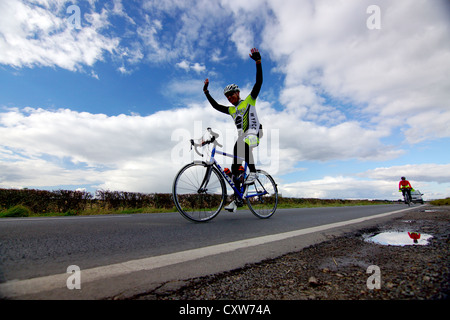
{"x": 405, "y": 194}
{"x": 236, "y": 163}
{"x": 249, "y": 157}
{"x": 242, "y": 150}
{"x": 251, "y": 164}
{"x": 409, "y": 195}
{"x": 239, "y": 150}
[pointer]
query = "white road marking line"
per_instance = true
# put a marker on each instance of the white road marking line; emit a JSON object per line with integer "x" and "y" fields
{"x": 35, "y": 285}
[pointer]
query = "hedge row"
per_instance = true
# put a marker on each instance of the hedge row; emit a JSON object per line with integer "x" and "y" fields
{"x": 122, "y": 199}
{"x": 315, "y": 201}
{"x": 42, "y": 201}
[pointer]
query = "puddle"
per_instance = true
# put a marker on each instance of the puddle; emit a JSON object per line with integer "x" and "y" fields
{"x": 397, "y": 238}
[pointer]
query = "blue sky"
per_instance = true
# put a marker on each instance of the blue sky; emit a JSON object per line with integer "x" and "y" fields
{"x": 355, "y": 95}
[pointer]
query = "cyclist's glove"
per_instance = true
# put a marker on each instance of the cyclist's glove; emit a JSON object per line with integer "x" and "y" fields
{"x": 255, "y": 55}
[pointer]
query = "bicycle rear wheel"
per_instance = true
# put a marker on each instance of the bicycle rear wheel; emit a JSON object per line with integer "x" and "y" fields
{"x": 199, "y": 192}
{"x": 262, "y": 195}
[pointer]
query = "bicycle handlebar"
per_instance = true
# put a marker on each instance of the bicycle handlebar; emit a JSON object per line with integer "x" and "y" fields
{"x": 203, "y": 143}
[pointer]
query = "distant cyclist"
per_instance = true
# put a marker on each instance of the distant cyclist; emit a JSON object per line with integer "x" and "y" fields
{"x": 405, "y": 186}
{"x": 246, "y": 120}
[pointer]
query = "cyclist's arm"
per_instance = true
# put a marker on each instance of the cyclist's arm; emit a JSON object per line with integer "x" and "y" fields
{"x": 259, "y": 80}
{"x": 218, "y": 107}
{"x": 211, "y": 100}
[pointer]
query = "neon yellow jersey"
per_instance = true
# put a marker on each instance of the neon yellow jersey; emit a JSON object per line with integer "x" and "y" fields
{"x": 245, "y": 116}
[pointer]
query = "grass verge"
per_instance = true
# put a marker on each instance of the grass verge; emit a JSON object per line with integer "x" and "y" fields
{"x": 441, "y": 202}
{"x": 284, "y": 203}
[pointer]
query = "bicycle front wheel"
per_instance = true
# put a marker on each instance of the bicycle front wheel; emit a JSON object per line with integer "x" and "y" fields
{"x": 262, "y": 195}
{"x": 199, "y": 192}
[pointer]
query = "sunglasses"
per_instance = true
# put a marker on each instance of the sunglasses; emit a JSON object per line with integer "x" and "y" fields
{"x": 229, "y": 94}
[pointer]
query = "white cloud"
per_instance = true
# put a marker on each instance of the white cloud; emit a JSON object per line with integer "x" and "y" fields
{"x": 119, "y": 10}
{"x": 24, "y": 171}
{"x": 187, "y": 66}
{"x": 33, "y": 36}
{"x": 217, "y": 55}
{"x": 127, "y": 152}
{"x": 428, "y": 126}
{"x": 183, "y": 65}
{"x": 393, "y": 76}
{"x": 154, "y": 49}
{"x": 197, "y": 67}
{"x": 189, "y": 28}
{"x": 429, "y": 172}
{"x": 340, "y": 187}
{"x": 94, "y": 75}
{"x": 315, "y": 142}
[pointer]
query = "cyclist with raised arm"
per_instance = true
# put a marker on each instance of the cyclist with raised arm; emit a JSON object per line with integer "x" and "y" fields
{"x": 405, "y": 187}
{"x": 246, "y": 120}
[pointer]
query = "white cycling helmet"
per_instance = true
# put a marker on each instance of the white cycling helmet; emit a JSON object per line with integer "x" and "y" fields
{"x": 230, "y": 88}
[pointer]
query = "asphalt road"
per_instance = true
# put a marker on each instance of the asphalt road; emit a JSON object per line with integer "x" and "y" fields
{"x": 124, "y": 255}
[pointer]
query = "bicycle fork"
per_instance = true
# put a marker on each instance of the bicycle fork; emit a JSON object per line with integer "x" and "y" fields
{"x": 203, "y": 186}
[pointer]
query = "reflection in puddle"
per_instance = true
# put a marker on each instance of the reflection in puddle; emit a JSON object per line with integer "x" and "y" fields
{"x": 395, "y": 238}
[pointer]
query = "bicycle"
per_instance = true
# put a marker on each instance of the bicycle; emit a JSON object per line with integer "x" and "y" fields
{"x": 199, "y": 190}
{"x": 406, "y": 196}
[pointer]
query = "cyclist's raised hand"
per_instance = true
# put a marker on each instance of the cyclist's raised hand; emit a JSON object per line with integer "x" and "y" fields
{"x": 205, "y": 87}
{"x": 255, "y": 55}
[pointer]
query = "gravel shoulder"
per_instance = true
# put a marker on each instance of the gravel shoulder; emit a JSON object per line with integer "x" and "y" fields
{"x": 337, "y": 269}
